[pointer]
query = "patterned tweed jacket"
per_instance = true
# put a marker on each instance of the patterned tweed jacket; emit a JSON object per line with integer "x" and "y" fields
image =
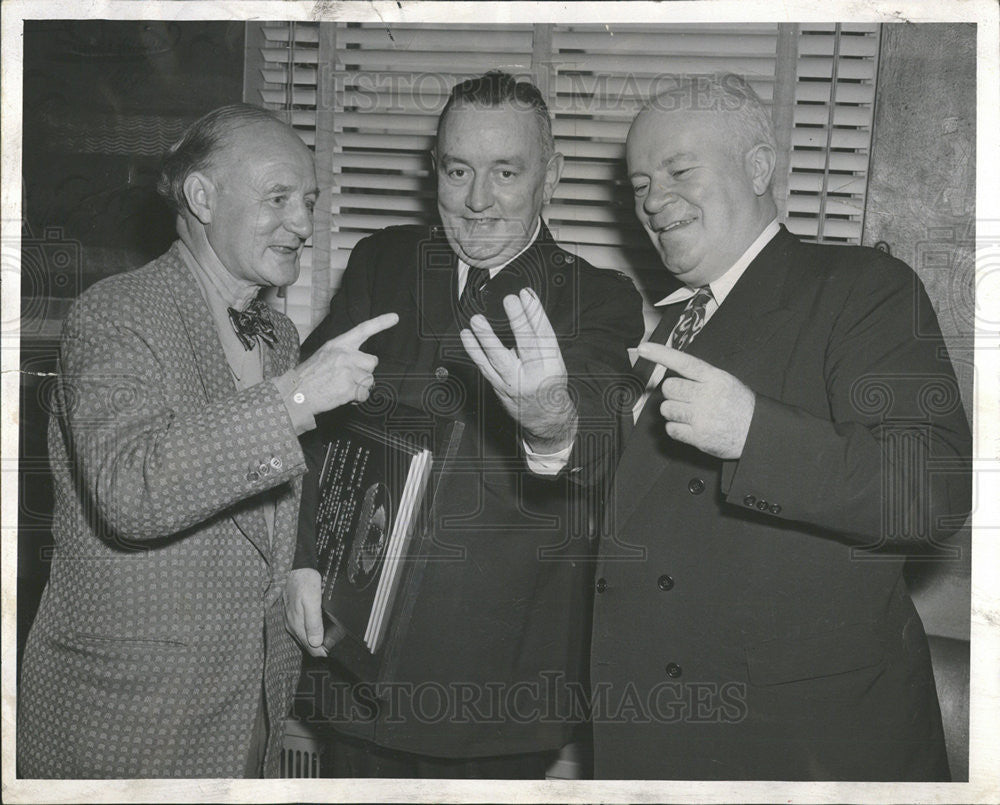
{"x": 163, "y": 613}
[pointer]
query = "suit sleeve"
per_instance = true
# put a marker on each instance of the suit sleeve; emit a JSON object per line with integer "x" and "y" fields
{"x": 150, "y": 470}
{"x": 892, "y": 463}
{"x": 596, "y": 357}
{"x": 350, "y": 306}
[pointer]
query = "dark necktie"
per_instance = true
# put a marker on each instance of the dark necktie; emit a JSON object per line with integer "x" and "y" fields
{"x": 254, "y": 322}
{"x": 692, "y": 319}
{"x": 470, "y": 301}
{"x": 679, "y": 331}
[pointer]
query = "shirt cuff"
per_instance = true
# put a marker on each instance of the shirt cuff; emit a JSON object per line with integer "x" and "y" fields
{"x": 295, "y": 402}
{"x": 546, "y": 463}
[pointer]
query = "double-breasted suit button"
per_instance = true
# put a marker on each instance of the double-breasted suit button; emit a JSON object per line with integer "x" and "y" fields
{"x": 673, "y": 670}
{"x": 762, "y": 505}
{"x": 275, "y": 463}
{"x": 775, "y": 508}
{"x": 696, "y": 486}
{"x": 263, "y": 468}
{"x": 602, "y": 585}
{"x": 253, "y": 476}
{"x": 665, "y": 583}
{"x": 441, "y": 373}
{"x": 749, "y": 500}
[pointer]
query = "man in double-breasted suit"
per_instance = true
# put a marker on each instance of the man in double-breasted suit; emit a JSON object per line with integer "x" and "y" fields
{"x": 524, "y": 343}
{"x": 802, "y": 434}
{"x": 159, "y": 648}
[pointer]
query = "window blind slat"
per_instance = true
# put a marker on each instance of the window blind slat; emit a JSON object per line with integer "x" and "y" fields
{"x": 397, "y": 202}
{"x": 301, "y": 96}
{"x": 363, "y": 159}
{"x": 444, "y": 39}
{"x": 395, "y": 142}
{"x": 839, "y": 161}
{"x": 833, "y": 205}
{"x": 606, "y": 63}
{"x": 476, "y": 59}
{"x": 281, "y": 32}
{"x": 611, "y": 88}
{"x": 822, "y": 67}
{"x": 819, "y": 114}
{"x": 695, "y": 43}
{"x": 277, "y": 73}
{"x": 398, "y": 183}
{"x": 853, "y": 46}
{"x": 848, "y": 231}
{"x": 839, "y": 138}
{"x": 282, "y": 56}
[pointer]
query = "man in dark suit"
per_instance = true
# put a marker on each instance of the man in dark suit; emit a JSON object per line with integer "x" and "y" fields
{"x": 750, "y": 619}
{"x": 505, "y": 331}
{"x": 159, "y": 648}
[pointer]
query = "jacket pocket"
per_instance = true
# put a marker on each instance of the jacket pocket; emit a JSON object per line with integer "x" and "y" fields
{"x": 834, "y": 653}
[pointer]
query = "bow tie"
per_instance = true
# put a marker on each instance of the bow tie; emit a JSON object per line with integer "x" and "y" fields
{"x": 254, "y": 322}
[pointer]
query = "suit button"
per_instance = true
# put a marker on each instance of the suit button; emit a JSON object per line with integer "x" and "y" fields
{"x": 263, "y": 468}
{"x": 775, "y": 509}
{"x": 673, "y": 670}
{"x": 696, "y": 486}
{"x": 275, "y": 462}
{"x": 602, "y": 585}
{"x": 441, "y": 373}
{"x": 253, "y": 476}
{"x": 762, "y": 505}
{"x": 665, "y": 583}
{"x": 749, "y": 500}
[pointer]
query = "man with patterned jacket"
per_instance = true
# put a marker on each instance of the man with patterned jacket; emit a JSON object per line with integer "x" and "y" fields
{"x": 159, "y": 648}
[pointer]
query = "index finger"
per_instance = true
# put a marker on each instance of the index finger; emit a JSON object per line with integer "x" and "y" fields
{"x": 676, "y": 361}
{"x": 356, "y": 336}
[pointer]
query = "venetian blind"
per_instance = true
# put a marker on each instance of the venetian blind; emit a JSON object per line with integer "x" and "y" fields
{"x": 831, "y": 137}
{"x": 367, "y": 97}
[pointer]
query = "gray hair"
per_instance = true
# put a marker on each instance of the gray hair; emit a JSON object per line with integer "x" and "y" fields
{"x": 199, "y": 144}
{"x": 727, "y": 94}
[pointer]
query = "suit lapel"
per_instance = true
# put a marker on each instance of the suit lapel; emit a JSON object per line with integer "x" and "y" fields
{"x": 752, "y": 313}
{"x": 206, "y": 350}
{"x": 211, "y": 365}
{"x": 434, "y": 287}
{"x": 731, "y": 340}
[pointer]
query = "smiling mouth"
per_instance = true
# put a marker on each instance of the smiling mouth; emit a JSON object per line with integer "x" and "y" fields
{"x": 286, "y": 250}
{"x": 672, "y": 226}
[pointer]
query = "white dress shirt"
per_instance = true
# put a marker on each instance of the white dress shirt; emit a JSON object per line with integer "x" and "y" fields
{"x": 720, "y": 290}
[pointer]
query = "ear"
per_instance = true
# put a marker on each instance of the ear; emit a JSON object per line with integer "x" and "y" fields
{"x": 200, "y": 192}
{"x": 434, "y": 160}
{"x": 553, "y": 173}
{"x": 759, "y": 162}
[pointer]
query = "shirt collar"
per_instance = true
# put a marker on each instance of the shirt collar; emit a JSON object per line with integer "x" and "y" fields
{"x": 724, "y": 284}
{"x": 463, "y": 267}
{"x": 219, "y": 286}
